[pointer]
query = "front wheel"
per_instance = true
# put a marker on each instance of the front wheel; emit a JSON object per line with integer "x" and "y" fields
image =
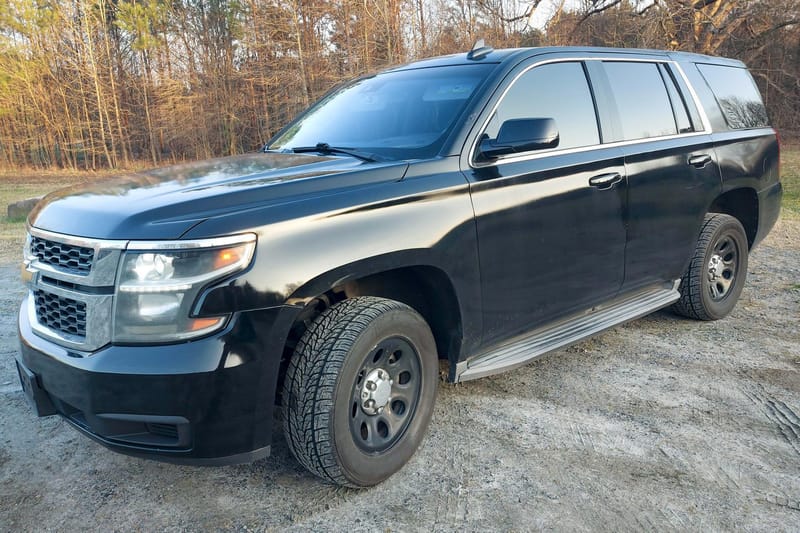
{"x": 716, "y": 274}
{"x": 359, "y": 391}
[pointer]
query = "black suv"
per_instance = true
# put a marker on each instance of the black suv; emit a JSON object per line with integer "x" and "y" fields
{"x": 481, "y": 208}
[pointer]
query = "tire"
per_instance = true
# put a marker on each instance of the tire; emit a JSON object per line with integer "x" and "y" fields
{"x": 716, "y": 274}
{"x": 359, "y": 391}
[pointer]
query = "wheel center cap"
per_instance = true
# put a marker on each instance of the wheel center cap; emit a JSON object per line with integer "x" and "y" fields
{"x": 714, "y": 267}
{"x": 376, "y": 391}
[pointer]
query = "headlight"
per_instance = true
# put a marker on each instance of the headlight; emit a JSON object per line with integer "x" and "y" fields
{"x": 158, "y": 284}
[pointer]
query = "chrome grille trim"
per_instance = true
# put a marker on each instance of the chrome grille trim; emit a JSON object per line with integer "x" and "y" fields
{"x": 64, "y": 256}
{"x": 103, "y": 270}
{"x": 89, "y": 292}
{"x": 77, "y": 241}
{"x": 98, "y": 319}
{"x": 64, "y": 315}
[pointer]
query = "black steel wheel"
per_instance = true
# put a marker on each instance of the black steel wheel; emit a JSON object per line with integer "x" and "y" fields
{"x": 716, "y": 274}
{"x": 359, "y": 391}
{"x": 722, "y": 267}
{"x": 385, "y": 394}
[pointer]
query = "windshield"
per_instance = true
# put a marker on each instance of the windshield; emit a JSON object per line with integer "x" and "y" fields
{"x": 397, "y": 115}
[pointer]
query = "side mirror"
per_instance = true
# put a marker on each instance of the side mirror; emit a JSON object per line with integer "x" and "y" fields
{"x": 521, "y": 135}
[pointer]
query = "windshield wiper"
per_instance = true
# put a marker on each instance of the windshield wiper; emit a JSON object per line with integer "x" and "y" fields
{"x": 325, "y": 148}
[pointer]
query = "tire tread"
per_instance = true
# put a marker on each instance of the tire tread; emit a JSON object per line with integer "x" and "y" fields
{"x": 690, "y": 303}
{"x": 311, "y": 379}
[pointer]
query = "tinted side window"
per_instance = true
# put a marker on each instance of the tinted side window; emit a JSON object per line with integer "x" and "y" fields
{"x": 642, "y": 100}
{"x": 559, "y": 91}
{"x": 737, "y": 95}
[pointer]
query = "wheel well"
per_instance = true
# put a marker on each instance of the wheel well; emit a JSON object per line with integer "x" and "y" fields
{"x": 741, "y": 204}
{"x": 426, "y": 289}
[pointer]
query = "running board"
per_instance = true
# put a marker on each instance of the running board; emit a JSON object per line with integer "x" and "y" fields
{"x": 529, "y": 346}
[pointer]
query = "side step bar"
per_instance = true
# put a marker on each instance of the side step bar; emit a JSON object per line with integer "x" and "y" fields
{"x": 529, "y": 346}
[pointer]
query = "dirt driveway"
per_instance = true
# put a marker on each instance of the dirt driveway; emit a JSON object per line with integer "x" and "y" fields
{"x": 663, "y": 423}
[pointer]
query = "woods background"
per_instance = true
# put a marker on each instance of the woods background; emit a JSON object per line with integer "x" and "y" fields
{"x": 90, "y": 84}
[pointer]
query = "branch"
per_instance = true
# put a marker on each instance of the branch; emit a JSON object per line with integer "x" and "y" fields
{"x": 779, "y": 26}
{"x": 598, "y": 9}
{"x": 526, "y": 15}
{"x": 646, "y": 8}
{"x": 702, "y": 4}
{"x": 771, "y": 83}
{"x": 766, "y": 33}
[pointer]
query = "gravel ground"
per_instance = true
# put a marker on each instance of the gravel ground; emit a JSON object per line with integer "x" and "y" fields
{"x": 663, "y": 423}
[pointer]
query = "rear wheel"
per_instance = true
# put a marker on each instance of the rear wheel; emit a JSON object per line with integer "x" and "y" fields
{"x": 359, "y": 391}
{"x": 714, "y": 280}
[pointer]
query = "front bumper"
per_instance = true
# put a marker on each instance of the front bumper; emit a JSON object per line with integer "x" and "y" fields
{"x": 208, "y": 401}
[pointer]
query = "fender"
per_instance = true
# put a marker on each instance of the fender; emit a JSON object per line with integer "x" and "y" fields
{"x": 423, "y": 220}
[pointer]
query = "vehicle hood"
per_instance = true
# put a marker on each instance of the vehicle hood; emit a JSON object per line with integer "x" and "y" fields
{"x": 165, "y": 203}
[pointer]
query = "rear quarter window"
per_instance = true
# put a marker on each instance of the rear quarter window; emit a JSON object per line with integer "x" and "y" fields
{"x": 737, "y": 96}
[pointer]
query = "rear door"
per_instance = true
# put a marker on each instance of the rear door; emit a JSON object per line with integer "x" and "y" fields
{"x": 670, "y": 164}
{"x": 550, "y": 223}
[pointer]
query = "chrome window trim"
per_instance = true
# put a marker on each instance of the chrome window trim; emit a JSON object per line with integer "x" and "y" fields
{"x": 531, "y": 156}
{"x": 695, "y": 98}
{"x": 568, "y": 151}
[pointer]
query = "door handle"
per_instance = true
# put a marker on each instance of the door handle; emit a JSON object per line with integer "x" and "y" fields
{"x": 605, "y": 181}
{"x": 699, "y": 161}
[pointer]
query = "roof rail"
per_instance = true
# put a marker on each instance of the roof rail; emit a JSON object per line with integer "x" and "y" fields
{"x": 479, "y": 50}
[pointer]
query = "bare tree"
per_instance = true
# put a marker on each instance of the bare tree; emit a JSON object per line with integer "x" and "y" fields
{"x": 114, "y": 83}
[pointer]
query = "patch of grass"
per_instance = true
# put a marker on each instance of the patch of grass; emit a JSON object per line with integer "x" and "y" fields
{"x": 13, "y": 192}
{"x": 12, "y": 230}
{"x": 790, "y": 176}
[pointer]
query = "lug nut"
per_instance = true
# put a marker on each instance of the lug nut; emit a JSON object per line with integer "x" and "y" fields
{"x": 371, "y": 385}
{"x": 369, "y": 404}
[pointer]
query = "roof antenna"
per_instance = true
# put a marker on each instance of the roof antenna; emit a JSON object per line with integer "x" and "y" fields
{"x": 479, "y": 50}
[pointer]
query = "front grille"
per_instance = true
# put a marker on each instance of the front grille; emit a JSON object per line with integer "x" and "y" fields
{"x": 70, "y": 280}
{"x": 60, "y": 314}
{"x": 69, "y": 257}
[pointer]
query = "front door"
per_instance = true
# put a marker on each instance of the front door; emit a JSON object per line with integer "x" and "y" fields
{"x": 550, "y": 223}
